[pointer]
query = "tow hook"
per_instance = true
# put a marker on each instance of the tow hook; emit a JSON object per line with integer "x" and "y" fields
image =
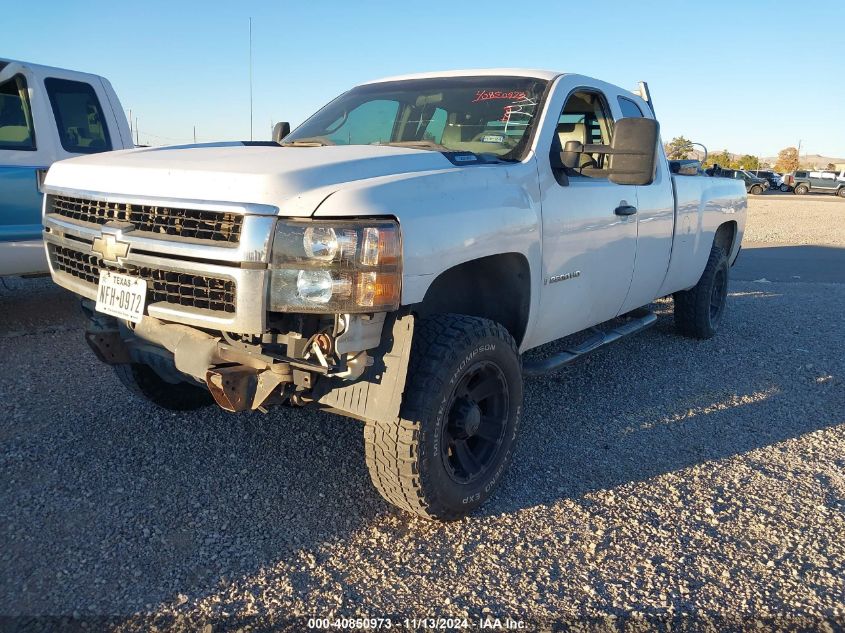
{"x": 241, "y": 388}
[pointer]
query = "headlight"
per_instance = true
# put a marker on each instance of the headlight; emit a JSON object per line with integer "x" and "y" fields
{"x": 336, "y": 266}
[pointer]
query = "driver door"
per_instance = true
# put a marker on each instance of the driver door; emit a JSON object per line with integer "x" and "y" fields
{"x": 588, "y": 247}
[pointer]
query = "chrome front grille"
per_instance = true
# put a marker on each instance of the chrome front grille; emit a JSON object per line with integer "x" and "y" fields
{"x": 217, "y": 226}
{"x": 176, "y": 288}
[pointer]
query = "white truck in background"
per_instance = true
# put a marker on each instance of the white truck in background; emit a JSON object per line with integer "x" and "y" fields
{"x": 391, "y": 260}
{"x": 46, "y": 114}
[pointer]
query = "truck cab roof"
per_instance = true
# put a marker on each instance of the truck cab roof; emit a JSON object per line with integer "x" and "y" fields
{"x": 548, "y": 75}
{"x": 40, "y": 70}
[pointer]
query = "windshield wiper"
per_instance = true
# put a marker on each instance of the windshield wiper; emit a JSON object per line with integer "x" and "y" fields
{"x": 306, "y": 142}
{"x": 417, "y": 145}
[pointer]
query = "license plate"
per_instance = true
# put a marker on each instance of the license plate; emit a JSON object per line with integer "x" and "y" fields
{"x": 121, "y": 296}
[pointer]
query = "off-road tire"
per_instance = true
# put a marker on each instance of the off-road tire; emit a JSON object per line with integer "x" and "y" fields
{"x": 145, "y": 383}
{"x": 756, "y": 190}
{"x": 406, "y": 457}
{"x": 694, "y": 314}
{"x": 841, "y": 192}
{"x": 800, "y": 190}
{"x": 784, "y": 188}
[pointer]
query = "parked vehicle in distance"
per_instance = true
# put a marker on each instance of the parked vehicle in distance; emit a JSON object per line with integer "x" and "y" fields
{"x": 830, "y": 182}
{"x": 769, "y": 176}
{"x": 392, "y": 258}
{"x": 753, "y": 184}
{"x": 46, "y": 114}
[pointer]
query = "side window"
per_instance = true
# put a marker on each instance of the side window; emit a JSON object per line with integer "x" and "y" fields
{"x": 79, "y": 117}
{"x": 585, "y": 118}
{"x": 629, "y": 108}
{"x": 16, "y": 129}
{"x": 370, "y": 122}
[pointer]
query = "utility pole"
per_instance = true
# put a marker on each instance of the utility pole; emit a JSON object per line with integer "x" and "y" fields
{"x": 250, "y": 79}
{"x": 799, "y": 154}
{"x": 137, "y": 142}
{"x": 195, "y": 135}
{"x": 130, "y": 124}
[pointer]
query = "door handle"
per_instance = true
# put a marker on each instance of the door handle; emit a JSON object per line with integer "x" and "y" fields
{"x": 625, "y": 209}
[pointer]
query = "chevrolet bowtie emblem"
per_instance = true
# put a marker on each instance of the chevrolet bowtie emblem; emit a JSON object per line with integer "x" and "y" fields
{"x": 110, "y": 248}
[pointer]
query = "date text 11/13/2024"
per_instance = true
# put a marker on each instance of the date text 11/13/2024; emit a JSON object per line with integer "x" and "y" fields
{"x": 441, "y": 624}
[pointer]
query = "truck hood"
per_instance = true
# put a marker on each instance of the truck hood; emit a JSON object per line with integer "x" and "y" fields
{"x": 294, "y": 179}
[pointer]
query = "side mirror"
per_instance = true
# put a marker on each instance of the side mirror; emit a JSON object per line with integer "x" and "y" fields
{"x": 280, "y": 131}
{"x": 686, "y": 167}
{"x": 571, "y": 154}
{"x": 634, "y": 152}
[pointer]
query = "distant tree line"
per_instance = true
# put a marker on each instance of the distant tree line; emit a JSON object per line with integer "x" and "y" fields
{"x": 680, "y": 148}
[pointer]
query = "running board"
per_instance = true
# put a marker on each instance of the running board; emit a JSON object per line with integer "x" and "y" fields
{"x": 597, "y": 341}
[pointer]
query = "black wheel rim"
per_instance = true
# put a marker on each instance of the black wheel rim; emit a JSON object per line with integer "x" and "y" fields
{"x": 717, "y": 297}
{"x": 475, "y": 424}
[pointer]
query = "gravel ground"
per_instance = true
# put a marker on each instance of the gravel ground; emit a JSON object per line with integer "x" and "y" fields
{"x": 784, "y": 218}
{"x": 664, "y": 477}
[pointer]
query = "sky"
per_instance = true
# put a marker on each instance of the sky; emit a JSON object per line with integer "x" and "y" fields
{"x": 750, "y": 77}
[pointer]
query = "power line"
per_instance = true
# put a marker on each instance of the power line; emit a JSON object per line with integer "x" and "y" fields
{"x": 250, "y": 79}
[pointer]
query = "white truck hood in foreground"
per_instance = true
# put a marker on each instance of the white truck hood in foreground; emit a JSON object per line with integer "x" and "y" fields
{"x": 296, "y": 179}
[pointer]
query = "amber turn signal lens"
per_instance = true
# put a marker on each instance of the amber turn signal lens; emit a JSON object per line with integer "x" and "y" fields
{"x": 377, "y": 289}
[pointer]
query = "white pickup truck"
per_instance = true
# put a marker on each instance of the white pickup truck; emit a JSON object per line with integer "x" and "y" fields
{"x": 392, "y": 258}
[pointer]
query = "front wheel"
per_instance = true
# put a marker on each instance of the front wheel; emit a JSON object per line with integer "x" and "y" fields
{"x": 800, "y": 190}
{"x": 699, "y": 310}
{"x": 144, "y": 382}
{"x": 841, "y": 192}
{"x": 784, "y": 188}
{"x": 460, "y": 414}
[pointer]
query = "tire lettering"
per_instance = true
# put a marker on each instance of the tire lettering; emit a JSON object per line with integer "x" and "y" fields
{"x": 489, "y": 347}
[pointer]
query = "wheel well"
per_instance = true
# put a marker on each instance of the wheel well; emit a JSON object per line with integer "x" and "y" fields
{"x": 725, "y": 235}
{"x": 497, "y": 287}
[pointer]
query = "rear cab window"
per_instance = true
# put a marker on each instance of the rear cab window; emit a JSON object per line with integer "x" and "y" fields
{"x": 16, "y": 129}
{"x": 79, "y": 116}
{"x": 629, "y": 108}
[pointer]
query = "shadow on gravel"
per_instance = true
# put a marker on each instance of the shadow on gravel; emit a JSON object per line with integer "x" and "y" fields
{"x": 660, "y": 403}
{"x": 814, "y": 264}
{"x": 110, "y": 506}
{"x": 30, "y": 305}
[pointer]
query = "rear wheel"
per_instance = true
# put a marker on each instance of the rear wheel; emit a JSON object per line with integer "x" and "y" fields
{"x": 699, "y": 310}
{"x": 460, "y": 414}
{"x": 841, "y": 192}
{"x": 784, "y": 188}
{"x": 144, "y": 382}
{"x": 756, "y": 190}
{"x": 800, "y": 190}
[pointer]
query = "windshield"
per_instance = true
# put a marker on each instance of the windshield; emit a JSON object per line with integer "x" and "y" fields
{"x": 484, "y": 115}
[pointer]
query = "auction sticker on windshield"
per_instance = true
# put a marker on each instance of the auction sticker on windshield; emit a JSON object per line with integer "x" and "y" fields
{"x": 121, "y": 296}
